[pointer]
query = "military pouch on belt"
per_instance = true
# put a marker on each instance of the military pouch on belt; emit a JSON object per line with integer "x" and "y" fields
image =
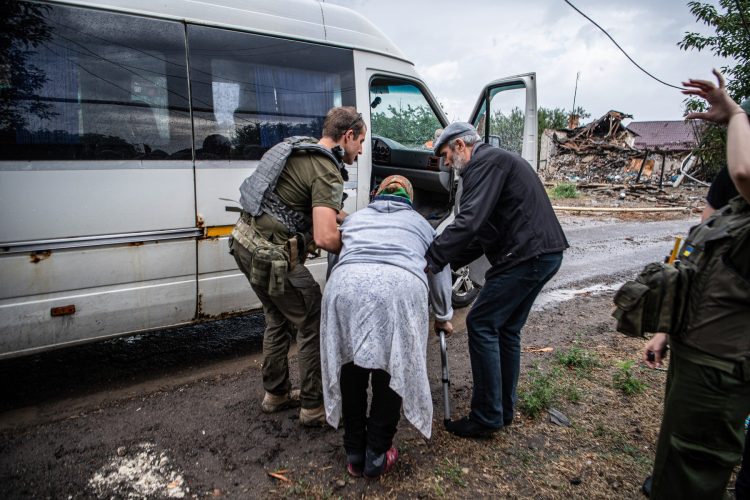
{"x": 654, "y": 302}
{"x": 269, "y": 269}
{"x": 270, "y": 262}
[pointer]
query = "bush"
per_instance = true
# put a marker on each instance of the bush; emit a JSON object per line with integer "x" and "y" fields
{"x": 565, "y": 190}
{"x": 625, "y": 380}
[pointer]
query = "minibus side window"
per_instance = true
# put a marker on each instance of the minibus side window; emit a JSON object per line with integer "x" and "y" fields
{"x": 249, "y": 91}
{"x": 81, "y": 84}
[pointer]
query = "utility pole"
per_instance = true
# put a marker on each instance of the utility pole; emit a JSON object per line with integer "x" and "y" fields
{"x": 573, "y": 118}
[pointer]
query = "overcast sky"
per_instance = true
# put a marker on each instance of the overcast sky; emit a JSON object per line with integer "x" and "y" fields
{"x": 457, "y": 47}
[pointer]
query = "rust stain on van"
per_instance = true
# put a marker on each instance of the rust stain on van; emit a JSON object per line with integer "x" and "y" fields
{"x": 37, "y": 257}
{"x": 136, "y": 243}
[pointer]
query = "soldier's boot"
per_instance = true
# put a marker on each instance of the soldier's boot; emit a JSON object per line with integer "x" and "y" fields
{"x": 313, "y": 417}
{"x": 272, "y": 403}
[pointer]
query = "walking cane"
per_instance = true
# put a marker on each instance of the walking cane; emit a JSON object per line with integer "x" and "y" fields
{"x": 446, "y": 379}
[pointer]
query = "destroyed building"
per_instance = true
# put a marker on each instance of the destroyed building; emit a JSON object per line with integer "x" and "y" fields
{"x": 606, "y": 150}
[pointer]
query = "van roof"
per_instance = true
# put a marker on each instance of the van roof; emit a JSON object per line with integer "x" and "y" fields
{"x": 309, "y": 20}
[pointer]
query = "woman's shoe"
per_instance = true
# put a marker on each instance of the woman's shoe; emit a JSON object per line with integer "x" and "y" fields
{"x": 355, "y": 464}
{"x": 377, "y": 465}
{"x": 354, "y": 470}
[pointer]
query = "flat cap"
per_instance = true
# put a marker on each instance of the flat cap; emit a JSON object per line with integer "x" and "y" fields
{"x": 455, "y": 129}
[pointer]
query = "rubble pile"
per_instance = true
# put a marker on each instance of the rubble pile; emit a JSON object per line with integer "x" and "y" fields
{"x": 603, "y": 152}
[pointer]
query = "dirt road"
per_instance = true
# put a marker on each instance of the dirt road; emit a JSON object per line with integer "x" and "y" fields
{"x": 167, "y": 416}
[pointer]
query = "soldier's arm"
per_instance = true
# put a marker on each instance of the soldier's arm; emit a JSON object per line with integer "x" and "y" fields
{"x": 325, "y": 231}
{"x": 738, "y": 153}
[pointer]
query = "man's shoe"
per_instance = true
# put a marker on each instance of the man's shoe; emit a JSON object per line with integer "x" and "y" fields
{"x": 466, "y": 427}
{"x": 272, "y": 403}
{"x": 646, "y": 488}
{"x": 313, "y": 417}
{"x": 377, "y": 465}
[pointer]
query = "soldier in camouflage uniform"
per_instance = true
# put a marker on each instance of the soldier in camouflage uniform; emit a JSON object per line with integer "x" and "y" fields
{"x": 311, "y": 185}
{"x": 708, "y": 384}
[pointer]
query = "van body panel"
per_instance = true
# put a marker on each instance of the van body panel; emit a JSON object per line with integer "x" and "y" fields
{"x": 216, "y": 184}
{"x": 58, "y": 271}
{"x": 28, "y": 326}
{"x": 114, "y": 290}
{"x": 61, "y": 200}
{"x": 297, "y": 19}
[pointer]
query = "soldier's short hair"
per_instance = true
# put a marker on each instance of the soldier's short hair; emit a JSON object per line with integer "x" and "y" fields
{"x": 339, "y": 120}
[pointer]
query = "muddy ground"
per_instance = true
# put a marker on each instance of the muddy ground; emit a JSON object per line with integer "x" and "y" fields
{"x": 194, "y": 429}
{"x": 206, "y": 436}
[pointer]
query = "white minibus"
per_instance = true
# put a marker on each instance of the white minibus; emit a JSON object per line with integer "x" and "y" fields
{"x": 127, "y": 127}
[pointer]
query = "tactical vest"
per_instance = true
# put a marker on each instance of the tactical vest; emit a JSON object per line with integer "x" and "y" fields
{"x": 717, "y": 316}
{"x": 257, "y": 191}
{"x": 702, "y": 301}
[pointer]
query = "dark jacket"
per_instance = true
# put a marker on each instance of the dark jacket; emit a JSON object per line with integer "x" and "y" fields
{"x": 505, "y": 214}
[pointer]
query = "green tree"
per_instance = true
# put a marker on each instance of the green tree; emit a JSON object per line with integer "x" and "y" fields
{"x": 731, "y": 39}
{"x": 554, "y": 118}
{"x": 508, "y": 128}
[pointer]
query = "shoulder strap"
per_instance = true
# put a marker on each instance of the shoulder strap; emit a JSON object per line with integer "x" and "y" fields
{"x": 257, "y": 191}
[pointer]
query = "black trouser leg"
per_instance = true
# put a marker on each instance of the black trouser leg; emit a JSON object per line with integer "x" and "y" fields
{"x": 354, "y": 382}
{"x": 385, "y": 413}
{"x": 742, "y": 487}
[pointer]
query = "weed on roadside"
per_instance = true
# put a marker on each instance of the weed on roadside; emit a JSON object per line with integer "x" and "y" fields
{"x": 626, "y": 380}
{"x": 452, "y": 472}
{"x": 578, "y": 359}
{"x": 572, "y": 393}
{"x": 565, "y": 190}
{"x": 540, "y": 393}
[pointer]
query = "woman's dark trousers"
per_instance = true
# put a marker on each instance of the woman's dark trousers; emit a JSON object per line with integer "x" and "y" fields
{"x": 360, "y": 431}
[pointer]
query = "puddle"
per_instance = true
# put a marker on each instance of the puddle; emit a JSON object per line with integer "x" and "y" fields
{"x": 141, "y": 473}
{"x": 551, "y": 298}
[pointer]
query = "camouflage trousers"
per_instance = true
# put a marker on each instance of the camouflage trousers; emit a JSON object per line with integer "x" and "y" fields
{"x": 702, "y": 431}
{"x": 297, "y": 309}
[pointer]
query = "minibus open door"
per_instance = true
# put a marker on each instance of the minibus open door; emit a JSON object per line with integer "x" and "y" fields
{"x": 505, "y": 115}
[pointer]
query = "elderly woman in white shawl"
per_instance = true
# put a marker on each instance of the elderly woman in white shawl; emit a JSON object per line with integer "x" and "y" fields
{"x": 375, "y": 322}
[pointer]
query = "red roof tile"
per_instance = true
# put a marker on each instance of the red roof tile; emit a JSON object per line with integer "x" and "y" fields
{"x": 664, "y": 135}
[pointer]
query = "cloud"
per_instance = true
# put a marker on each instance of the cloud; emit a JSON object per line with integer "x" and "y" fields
{"x": 445, "y": 70}
{"x": 460, "y": 51}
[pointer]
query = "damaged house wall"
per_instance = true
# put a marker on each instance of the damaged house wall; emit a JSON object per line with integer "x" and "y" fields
{"x": 606, "y": 150}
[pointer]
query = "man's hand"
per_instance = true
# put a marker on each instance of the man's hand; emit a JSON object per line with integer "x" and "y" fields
{"x": 656, "y": 345}
{"x": 341, "y": 216}
{"x": 447, "y": 326}
{"x": 722, "y": 106}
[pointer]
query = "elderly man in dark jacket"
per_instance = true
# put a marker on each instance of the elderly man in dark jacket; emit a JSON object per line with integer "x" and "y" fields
{"x": 506, "y": 215}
